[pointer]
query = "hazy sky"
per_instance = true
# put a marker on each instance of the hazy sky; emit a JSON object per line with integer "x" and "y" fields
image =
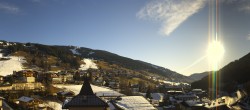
{"x": 169, "y": 33}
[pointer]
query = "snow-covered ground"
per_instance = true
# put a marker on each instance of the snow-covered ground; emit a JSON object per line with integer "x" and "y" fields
{"x": 55, "y": 105}
{"x": 8, "y": 66}
{"x": 88, "y": 64}
{"x": 100, "y": 91}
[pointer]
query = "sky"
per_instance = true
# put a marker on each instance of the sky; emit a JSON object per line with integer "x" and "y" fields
{"x": 170, "y": 33}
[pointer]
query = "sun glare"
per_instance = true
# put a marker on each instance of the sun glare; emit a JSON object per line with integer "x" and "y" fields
{"x": 215, "y": 53}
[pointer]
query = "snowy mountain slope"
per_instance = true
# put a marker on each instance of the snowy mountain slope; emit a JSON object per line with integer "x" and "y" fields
{"x": 70, "y": 57}
{"x": 88, "y": 64}
{"x": 13, "y": 64}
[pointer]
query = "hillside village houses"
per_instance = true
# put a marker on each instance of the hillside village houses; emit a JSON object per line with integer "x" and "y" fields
{"x": 171, "y": 96}
{"x": 31, "y": 103}
{"x": 24, "y": 80}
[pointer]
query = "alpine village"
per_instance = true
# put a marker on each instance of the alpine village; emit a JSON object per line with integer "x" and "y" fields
{"x": 43, "y": 77}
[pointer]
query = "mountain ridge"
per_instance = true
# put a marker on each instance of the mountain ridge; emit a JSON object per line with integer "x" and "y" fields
{"x": 231, "y": 76}
{"x": 70, "y": 57}
{"x": 198, "y": 76}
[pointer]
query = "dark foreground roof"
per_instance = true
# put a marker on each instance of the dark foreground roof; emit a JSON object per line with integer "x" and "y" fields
{"x": 86, "y": 98}
{"x": 86, "y": 101}
{"x": 86, "y": 88}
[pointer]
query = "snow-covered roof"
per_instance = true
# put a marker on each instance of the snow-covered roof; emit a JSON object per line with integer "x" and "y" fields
{"x": 134, "y": 103}
{"x": 25, "y": 99}
{"x": 156, "y": 96}
{"x": 65, "y": 92}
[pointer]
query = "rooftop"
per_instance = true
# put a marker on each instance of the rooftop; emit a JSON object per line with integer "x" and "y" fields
{"x": 25, "y": 99}
{"x": 86, "y": 98}
{"x": 134, "y": 103}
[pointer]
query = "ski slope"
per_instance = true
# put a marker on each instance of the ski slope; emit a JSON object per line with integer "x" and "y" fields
{"x": 88, "y": 64}
{"x": 13, "y": 64}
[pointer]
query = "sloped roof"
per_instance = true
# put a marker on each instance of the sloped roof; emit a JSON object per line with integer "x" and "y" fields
{"x": 25, "y": 99}
{"x": 134, "y": 103}
{"x": 157, "y": 96}
{"x": 86, "y": 88}
{"x": 86, "y": 98}
{"x": 86, "y": 101}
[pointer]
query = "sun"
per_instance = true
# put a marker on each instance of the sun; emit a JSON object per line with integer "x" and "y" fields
{"x": 215, "y": 53}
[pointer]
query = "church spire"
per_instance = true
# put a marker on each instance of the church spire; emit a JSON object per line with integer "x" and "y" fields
{"x": 86, "y": 87}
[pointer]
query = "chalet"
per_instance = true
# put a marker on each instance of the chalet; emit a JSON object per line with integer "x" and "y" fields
{"x": 55, "y": 79}
{"x": 23, "y": 86}
{"x": 25, "y": 101}
{"x": 86, "y": 99}
{"x": 24, "y": 73}
{"x": 66, "y": 77}
{"x": 157, "y": 98}
{"x": 62, "y": 95}
{"x": 28, "y": 79}
{"x": 28, "y": 86}
{"x": 25, "y": 76}
{"x": 29, "y": 103}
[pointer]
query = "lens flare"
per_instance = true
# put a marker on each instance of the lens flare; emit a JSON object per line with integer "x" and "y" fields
{"x": 215, "y": 53}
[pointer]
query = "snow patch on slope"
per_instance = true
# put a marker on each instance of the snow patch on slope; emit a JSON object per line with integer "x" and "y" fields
{"x": 90, "y": 53}
{"x": 74, "y": 51}
{"x": 13, "y": 64}
{"x": 88, "y": 64}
